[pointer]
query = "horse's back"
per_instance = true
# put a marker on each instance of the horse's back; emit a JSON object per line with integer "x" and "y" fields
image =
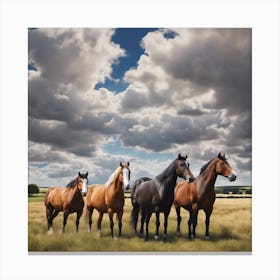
{"x": 95, "y": 197}
{"x": 147, "y": 194}
{"x": 134, "y": 187}
{"x": 54, "y": 198}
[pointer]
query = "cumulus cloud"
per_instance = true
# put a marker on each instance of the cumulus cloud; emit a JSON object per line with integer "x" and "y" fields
{"x": 190, "y": 91}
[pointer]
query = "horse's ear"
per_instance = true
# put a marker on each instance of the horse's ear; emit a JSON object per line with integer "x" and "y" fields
{"x": 120, "y": 163}
{"x": 224, "y": 155}
{"x": 86, "y": 174}
{"x": 179, "y": 156}
{"x": 220, "y": 156}
{"x": 79, "y": 174}
{"x": 186, "y": 156}
{"x": 128, "y": 163}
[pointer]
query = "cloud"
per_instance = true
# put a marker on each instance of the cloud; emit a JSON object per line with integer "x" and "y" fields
{"x": 189, "y": 92}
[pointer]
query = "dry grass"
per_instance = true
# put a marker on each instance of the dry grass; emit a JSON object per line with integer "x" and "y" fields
{"x": 230, "y": 230}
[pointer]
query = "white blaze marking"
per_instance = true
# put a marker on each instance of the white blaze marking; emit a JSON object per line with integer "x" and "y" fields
{"x": 85, "y": 185}
{"x": 125, "y": 177}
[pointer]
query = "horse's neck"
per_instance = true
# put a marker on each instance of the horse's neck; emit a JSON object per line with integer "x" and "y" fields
{"x": 207, "y": 178}
{"x": 76, "y": 191}
{"x": 116, "y": 184}
{"x": 168, "y": 178}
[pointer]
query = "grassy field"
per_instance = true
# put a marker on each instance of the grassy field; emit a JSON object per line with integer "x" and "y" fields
{"x": 230, "y": 231}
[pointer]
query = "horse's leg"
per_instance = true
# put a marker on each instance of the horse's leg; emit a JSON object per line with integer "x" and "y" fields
{"x": 120, "y": 214}
{"x": 157, "y": 224}
{"x": 79, "y": 214}
{"x": 208, "y": 213}
{"x": 49, "y": 211}
{"x": 65, "y": 217}
{"x": 148, "y": 217}
{"x": 99, "y": 221}
{"x": 190, "y": 224}
{"x": 110, "y": 213}
{"x": 194, "y": 213}
{"x": 143, "y": 218}
{"x": 89, "y": 216}
{"x": 166, "y": 214}
{"x": 54, "y": 214}
{"x": 178, "y": 210}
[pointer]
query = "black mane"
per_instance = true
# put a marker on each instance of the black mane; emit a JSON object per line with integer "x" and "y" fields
{"x": 205, "y": 166}
{"x": 72, "y": 183}
{"x": 220, "y": 156}
{"x": 166, "y": 172}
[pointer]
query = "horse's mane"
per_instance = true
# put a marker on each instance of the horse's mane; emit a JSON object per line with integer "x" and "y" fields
{"x": 72, "y": 183}
{"x": 202, "y": 169}
{"x": 166, "y": 172}
{"x": 112, "y": 177}
{"x": 206, "y": 165}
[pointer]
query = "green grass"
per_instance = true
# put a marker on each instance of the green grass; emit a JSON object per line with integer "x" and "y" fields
{"x": 230, "y": 231}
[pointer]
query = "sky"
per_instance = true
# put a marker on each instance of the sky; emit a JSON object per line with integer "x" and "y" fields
{"x": 100, "y": 96}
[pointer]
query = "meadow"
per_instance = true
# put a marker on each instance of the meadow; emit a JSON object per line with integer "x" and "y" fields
{"x": 230, "y": 231}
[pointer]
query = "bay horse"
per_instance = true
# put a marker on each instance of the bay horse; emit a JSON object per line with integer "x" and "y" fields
{"x": 157, "y": 195}
{"x": 200, "y": 193}
{"x": 108, "y": 198}
{"x": 68, "y": 199}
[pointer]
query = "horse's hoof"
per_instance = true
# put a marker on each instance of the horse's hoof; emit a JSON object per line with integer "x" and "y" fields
{"x": 178, "y": 233}
{"x": 191, "y": 237}
{"x": 50, "y": 232}
{"x": 207, "y": 237}
{"x": 156, "y": 237}
{"x": 164, "y": 238}
{"x": 146, "y": 238}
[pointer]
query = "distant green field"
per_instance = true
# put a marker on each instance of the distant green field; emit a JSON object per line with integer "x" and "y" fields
{"x": 221, "y": 192}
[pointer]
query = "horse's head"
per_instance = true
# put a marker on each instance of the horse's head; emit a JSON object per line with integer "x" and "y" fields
{"x": 83, "y": 183}
{"x": 183, "y": 168}
{"x": 125, "y": 175}
{"x": 223, "y": 167}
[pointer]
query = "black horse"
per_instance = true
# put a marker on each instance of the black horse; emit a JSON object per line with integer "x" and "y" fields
{"x": 157, "y": 195}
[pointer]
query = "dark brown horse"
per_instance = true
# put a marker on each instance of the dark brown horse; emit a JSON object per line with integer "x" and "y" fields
{"x": 157, "y": 195}
{"x": 68, "y": 199}
{"x": 108, "y": 198}
{"x": 200, "y": 193}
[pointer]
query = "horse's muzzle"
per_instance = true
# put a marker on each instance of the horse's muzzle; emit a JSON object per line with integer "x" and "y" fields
{"x": 232, "y": 177}
{"x": 127, "y": 187}
{"x": 84, "y": 193}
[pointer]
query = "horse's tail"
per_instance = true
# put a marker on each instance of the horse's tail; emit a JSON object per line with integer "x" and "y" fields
{"x": 46, "y": 199}
{"x": 135, "y": 204}
{"x": 134, "y": 216}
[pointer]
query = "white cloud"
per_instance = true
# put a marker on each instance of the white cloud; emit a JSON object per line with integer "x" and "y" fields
{"x": 189, "y": 92}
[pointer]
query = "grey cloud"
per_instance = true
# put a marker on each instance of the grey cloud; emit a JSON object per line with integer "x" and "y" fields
{"x": 169, "y": 131}
{"x": 219, "y": 59}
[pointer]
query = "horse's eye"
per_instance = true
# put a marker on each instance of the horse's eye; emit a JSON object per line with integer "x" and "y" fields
{"x": 222, "y": 163}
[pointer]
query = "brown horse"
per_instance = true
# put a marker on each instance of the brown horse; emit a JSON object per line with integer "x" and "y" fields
{"x": 200, "y": 193}
{"x": 108, "y": 198}
{"x": 68, "y": 199}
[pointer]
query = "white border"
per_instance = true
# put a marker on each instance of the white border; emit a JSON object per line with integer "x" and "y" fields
{"x": 17, "y": 16}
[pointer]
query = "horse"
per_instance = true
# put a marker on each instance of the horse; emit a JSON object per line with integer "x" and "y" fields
{"x": 68, "y": 199}
{"x": 157, "y": 195}
{"x": 200, "y": 193}
{"x": 108, "y": 198}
